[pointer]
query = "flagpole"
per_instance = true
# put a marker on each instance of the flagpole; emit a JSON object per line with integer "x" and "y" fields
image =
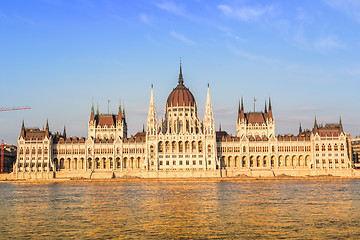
{"x": 254, "y": 103}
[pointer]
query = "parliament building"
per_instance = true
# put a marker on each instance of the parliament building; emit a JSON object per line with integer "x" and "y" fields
{"x": 182, "y": 144}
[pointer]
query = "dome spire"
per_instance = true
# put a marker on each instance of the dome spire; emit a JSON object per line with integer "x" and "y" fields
{"x": 181, "y": 80}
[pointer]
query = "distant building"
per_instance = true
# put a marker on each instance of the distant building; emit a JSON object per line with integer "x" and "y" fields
{"x": 9, "y": 158}
{"x": 356, "y": 151}
{"x": 183, "y": 144}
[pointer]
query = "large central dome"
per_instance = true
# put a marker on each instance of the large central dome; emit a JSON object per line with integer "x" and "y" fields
{"x": 181, "y": 95}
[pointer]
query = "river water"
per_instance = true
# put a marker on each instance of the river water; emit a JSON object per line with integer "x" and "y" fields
{"x": 310, "y": 209}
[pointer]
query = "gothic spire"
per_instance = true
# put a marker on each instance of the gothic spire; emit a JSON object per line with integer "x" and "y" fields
{"x": 181, "y": 80}
{"x": 242, "y": 114}
{"x": 315, "y": 124}
{"x": 209, "y": 122}
{"x": 22, "y": 129}
{"x": 152, "y": 126}
{"x": 92, "y": 111}
{"x": 340, "y": 124}
{"x": 270, "y": 109}
{"x": 119, "y": 112}
{"x": 300, "y": 129}
{"x": 265, "y": 107}
{"x": 47, "y": 125}
{"x": 64, "y": 134}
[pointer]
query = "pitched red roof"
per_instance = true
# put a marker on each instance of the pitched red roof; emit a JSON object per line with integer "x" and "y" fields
{"x": 256, "y": 117}
{"x": 35, "y": 133}
{"x": 107, "y": 120}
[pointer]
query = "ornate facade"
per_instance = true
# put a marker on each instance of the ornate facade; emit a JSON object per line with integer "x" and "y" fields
{"x": 181, "y": 142}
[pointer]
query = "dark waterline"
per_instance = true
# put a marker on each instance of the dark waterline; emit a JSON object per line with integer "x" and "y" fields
{"x": 181, "y": 209}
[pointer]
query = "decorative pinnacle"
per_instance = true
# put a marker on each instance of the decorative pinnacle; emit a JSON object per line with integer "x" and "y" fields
{"x": 181, "y": 80}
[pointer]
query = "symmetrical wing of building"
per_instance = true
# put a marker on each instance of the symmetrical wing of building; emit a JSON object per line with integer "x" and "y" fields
{"x": 183, "y": 143}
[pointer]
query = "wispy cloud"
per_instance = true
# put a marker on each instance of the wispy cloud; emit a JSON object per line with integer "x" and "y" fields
{"x": 247, "y": 13}
{"x": 328, "y": 43}
{"x": 3, "y": 15}
{"x": 172, "y": 7}
{"x": 182, "y": 38}
{"x": 25, "y": 20}
{"x": 224, "y": 111}
{"x": 310, "y": 108}
{"x": 144, "y": 18}
{"x": 229, "y": 33}
{"x": 349, "y": 7}
{"x": 254, "y": 57}
{"x": 142, "y": 111}
{"x": 321, "y": 44}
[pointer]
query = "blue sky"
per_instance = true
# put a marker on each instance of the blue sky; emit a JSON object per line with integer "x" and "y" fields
{"x": 59, "y": 55}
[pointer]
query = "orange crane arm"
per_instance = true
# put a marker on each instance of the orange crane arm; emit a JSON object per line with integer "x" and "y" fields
{"x": 14, "y": 108}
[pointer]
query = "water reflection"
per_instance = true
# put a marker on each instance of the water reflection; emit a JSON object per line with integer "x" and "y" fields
{"x": 181, "y": 209}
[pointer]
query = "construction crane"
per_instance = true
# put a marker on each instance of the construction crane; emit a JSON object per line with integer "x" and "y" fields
{"x": 3, "y": 144}
{"x": 14, "y": 108}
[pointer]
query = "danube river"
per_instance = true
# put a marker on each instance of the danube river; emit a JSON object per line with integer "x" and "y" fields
{"x": 297, "y": 209}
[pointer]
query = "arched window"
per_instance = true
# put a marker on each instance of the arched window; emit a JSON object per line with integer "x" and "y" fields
{"x": 193, "y": 146}
{"x": 323, "y": 147}
{"x": 187, "y": 146}
{"x": 209, "y": 148}
{"x": 200, "y": 146}
{"x": 167, "y": 146}
{"x": 244, "y": 149}
{"x": 342, "y": 148}
{"x": 173, "y": 146}
{"x": 181, "y": 146}
{"x": 317, "y": 147}
{"x": 161, "y": 147}
{"x": 329, "y": 147}
{"x": 336, "y": 148}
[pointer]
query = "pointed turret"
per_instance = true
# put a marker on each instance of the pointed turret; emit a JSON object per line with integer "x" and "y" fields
{"x": 209, "y": 122}
{"x": 265, "y": 107}
{"x": 123, "y": 113}
{"x": 181, "y": 80}
{"x": 92, "y": 112}
{"x": 300, "y": 129}
{"x": 316, "y": 127}
{"x": 119, "y": 112}
{"x": 152, "y": 125}
{"x": 47, "y": 127}
{"x": 22, "y": 129}
{"x": 270, "y": 109}
{"x": 64, "y": 133}
{"x": 340, "y": 125}
{"x": 242, "y": 114}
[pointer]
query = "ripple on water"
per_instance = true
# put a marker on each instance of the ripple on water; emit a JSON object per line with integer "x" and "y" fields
{"x": 176, "y": 209}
